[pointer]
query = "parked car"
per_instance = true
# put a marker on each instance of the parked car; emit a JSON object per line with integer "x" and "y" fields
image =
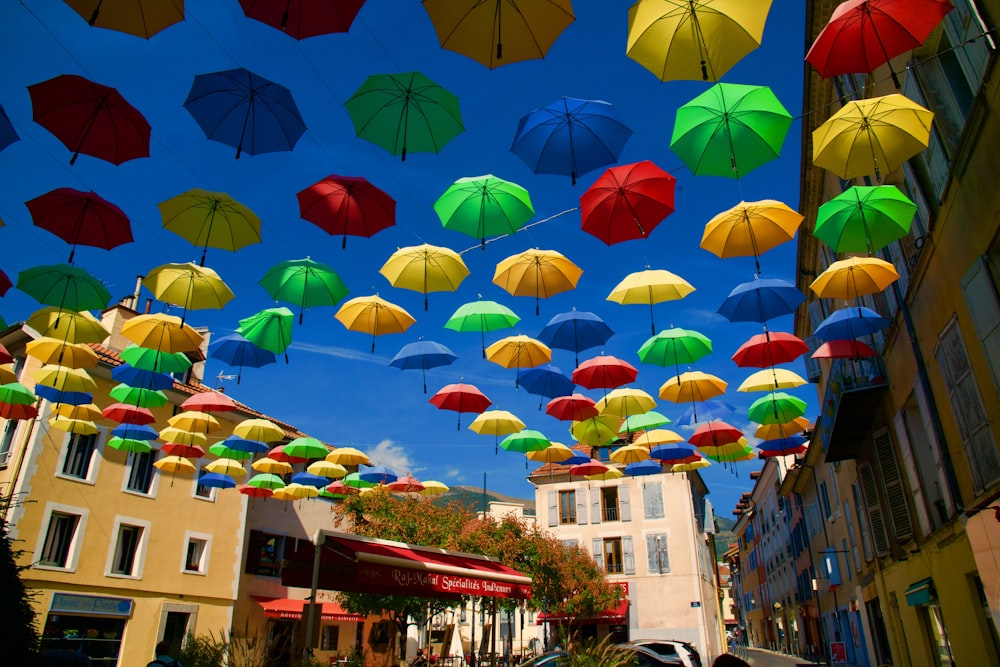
{"x": 646, "y": 657}
{"x": 671, "y": 649}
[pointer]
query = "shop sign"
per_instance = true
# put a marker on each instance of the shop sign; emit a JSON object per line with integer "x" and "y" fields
{"x": 90, "y": 605}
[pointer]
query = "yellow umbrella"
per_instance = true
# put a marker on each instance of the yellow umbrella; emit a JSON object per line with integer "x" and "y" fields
{"x": 181, "y": 437}
{"x": 750, "y": 229}
{"x": 625, "y": 401}
{"x": 425, "y": 268}
{"x": 162, "y": 332}
{"x": 272, "y": 466}
{"x": 261, "y": 430}
{"x": 326, "y": 469}
{"x": 144, "y": 18}
{"x": 776, "y": 431}
{"x": 296, "y": 491}
{"x": 433, "y": 488}
{"x": 67, "y": 325}
{"x": 630, "y": 454}
{"x": 648, "y": 287}
{"x": 658, "y": 436}
{"x": 537, "y": 273}
{"x": 695, "y": 40}
{"x": 62, "y": 378}
{"x": 496, "y": 423}
{"x": 88, "y": 411}
{"x": 175, "y": 464}
{"x": 554, "y": 453}
{"x": 610, "y": 473}
{"x": 867, "y": 137}
{"x": 193, "y": 420}
{"x": 348, "y": 456}
{"x": 189, "y": 286}
{"x": 772, "y": 379}
{"x": 230, "y": 467}
{"x": 519, "y": 352}
{"x": 692, "y": 386}
{"x": 7, "y": 374}
{"x": 79, "y": 426}
{"x": 210, "y": 219}
{"x": 724, "y": 450}
{"x": 596, "y": 431}
{"x": 854, "y": 277}
{"x": 56, "y": 351}
{"x": 687, "y": 467}
{"x": 374, "y": 315}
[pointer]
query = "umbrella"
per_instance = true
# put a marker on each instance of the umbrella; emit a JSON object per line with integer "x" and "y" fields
{"x": 868, "y": 136}
{"x": 693, "y": 39}
{"x": 673, "y": 454}
{"x": 773, "y": 431}
{"x": 405, "y": 112}
{"x": 163, "y": 332}
{"x": 174, "y": 464}
{"x": 537, "y": 273}
{"x": 605, "y": 475}
{"x": 692, "y": 386}
{"x": 189, "y": 286}
{"x": 7, "y": 374}
{"x": 570, "y": 137}
{"x": 425, "y": 268}
{"x": 130, "y": 446}
{"x": 644, "y": 421}
{"x": 128, "y": 414}
{"x": 776, "y": 408}
{"x": 591, "y": 467}
{"x": 854, "y": 277}
{"x": 546, "y": 381}
{"x": 278, "y": 453}
{"x": 525, "y": 441}
{"x": 575, "y": 407}
{"x": 347, "y": 456}
{"x": 783, "y": 446}
{"x": 673, "y": 347}
{"x": 142, "y": 18}
{"x": 730, "y": 130}
{"x": 261, "y": 430}
{"x": 80, "y": 218}
{"x": 347, "y": 205}
{"x": 771, "y": 379}
{"x": 843, "y": 349}
{"x": 307, "y": 448}
{"x": 715, "y": 434}
{"x": 135, "y": 432}
{"x": 246, "y": 111}
{"x": 518, "y": 352}
{"x": 72, "y": 397}
{"x": 216, "y": 480}
{"x": 643, "y": 468}
{"x": 575, "y": 331}
{"x": 326, "y": 469}
{"x": 376, "y": 474}
{"x": 224, "y": 451}
{"x": 596, "y": 431}
{"x": 210, "y": 219}
{"x": 630, "y": 454}
{"x": 255, "y": 492}
{"x": 90, "y": 118}
{"x": 309, "y": 479}
{"x": 135, "y": 396}
{"x": 181, "y": 438}
{"x": 338, "y": 488}
{"x": 849, "y": 323}
{"x": 235, "y": 350}
{"x": 750, "y": 229}
{"x": 481, "y": 206}
{"x": 149, "y": 359}
{"x": 235, "y": 443}
{"x": 625, "y": 401}
{"x": 687, "y": 467}
{"x": 62, "y": 378}
{"x": 8, "y": 134}
{"x": 496, "y": 423}
{"x": 190, "y": 449}
{"x": 482, "y": 316}
{"x": 210, "y": 401}
{"x": 863, "y": 34}
{"x": 433, "y": 488}
{"x": 423, "y": 354}
{"x": 136, "y": 377}
{"x": 304, "y": 18}
{"x": 604, "y": 372}
{"x": 556, "y": 452}
{"x": 295, "y": 491}
{"x": 627, "y": 202}
{"x": 769, "y": 349}
{"x": 269, "y": 329}
{"x": 374, "y": 315}
{"x": 406, "y": 484}
{"x": 194, "y": 421}
{"x": 78, "y": 426}
{"x": 272, "y": 468}
{"x": 354, "y": 481}
{"x": 63, "y": 286}
{"x": 658, "y": 437}
{"x": 54, "y": 351}
{"x": 864, "y": 218}
{"x": 67, "y": 325}
{"x": 760, "y": 300}
{"x": 304, "y": 283}
{"x": 499, "y": 32}
{"x": 460, "y": 398}
{"x": 648, "y": 287}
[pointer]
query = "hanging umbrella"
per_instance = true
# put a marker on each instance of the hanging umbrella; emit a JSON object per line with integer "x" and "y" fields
{"x": 149, "y": 359}
{"x": 575, "y": 331}
{"x": 162, "y": 332}
{"x": 62, "y": 378}
{"x": 869, "y": 136}
{"x": 326, "y": 469}
{"x": 604, "y": 372}
{"x": 304, "y": 283}
{"x": 648, "y": 287}
{"x": 278, "y": 453}
{"x": 309, "y": 479}
{"x": 630, "y": 454}
{"x": 643, "y": 468}
{"x": 63, "y": 286}
{"x": 769, "y": 349}
{"x": 128, "y": 414}
{"x": 496, "y": 423}
{"x": 189, "y": 286}
{"x": 261, "y": 430}
{"x": 546, "y": 381}
{"x": 591, "y": 467}
{"x": 142, "y": 398}
{"x": 776, "y": 408}
{"x": 347, "y": 205}
{"x": 864, "y": 218}
{"x": 348, "y": 456}
{"x": 135, "y": 432}
{"x": 224, "y": 451}
{"x": 425, "y": 268}
{"x": 527, "y": 440}
{"x": 518, "y": 352}
{"x": 246, "y": 111}
{"x": 482, "y": 316}
{"x": 460, "y": 398}
{"x": 374, "y": 315}
{"x": 730, "y": 130}
{"x": 210, "y": 219}
{"x": 688, "y": 467}
{"x": 338, "y": 488}
{"x": 54, "y": 351}
{"x": 760, "y": 300}
{"x": 7, "y": 374}
{"x": 354, "y": 481}
{"x": 194, "y": 421}
{"x": 605, "y": 475}
{"x": 307, "y": 448}
{"x": 851, "y": 322}
{"x": 80, "y": 218}
{"x": 556, "y": 452}
{"x": 570, "y": 137}
{"x": 658, "y": 437}
{"x": 433, "y": 488}
{"x": 854, "y": 277}
{"x": 235, "y": 444}
{"x": 783, "y": 446}
{"x": 216, "y": 480}
{"x": 304, "y": 18}
{"x": 596, "y": 431}
{"x": 674, "y": 454}
{"x": 698, "y": 40}
{"x": 235, "y": 350}
{"x": 269, "y": 329}
{"x": 130, "y": 446}
{"x": 71, "y": 397}
{"x": 90, "y": 118}
{"x": 406, "y": 484}
{"x": 405, "y": 112}
{"x": 68, "y": 326}
{"x": 715, "y": 434}
{"x": 209, "y": 401}
{"x": 142, "y": 18}
{"x": 625, "y": 401}
{"x": 484, "y": 206}
{"x": 575, "y": 407}
{"x": 423, "y": 354}
{"x": 136, "y": 377}
{"x": 644, "y": 421}
{"x": 271, "y": 467}
{"x": 8, "y": 134}
{"x": 627, "y": 202}
{"x": 188, "y": 444}
{"x": 295, "y": 491}
{"x": 537, "y": 273}
{"x": 750, "y": 229}
{"x": 376, "y": 474}
{"x": 674, "y": 347}
{"x": 775, "y": 431}
{"x": 729, "y": 452}
{"x": 772, "y": 379}
{"x": 692, "y": 387}
{"x": 174, "y": 465}
{"x": 843, "y": 349}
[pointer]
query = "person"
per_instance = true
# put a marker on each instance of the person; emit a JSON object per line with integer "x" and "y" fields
{"x": 420, "y": 660}
{"x": 163, "y": 657}
{"x": 729, "y": 660}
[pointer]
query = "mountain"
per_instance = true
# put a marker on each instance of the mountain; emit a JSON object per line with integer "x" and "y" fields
{"x": 724, "y": 535}
{"x": 471, "y": 497}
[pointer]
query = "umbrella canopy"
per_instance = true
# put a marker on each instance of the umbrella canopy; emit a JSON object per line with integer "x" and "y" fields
{"x": 54, "y": 351}
{"x": 688, "y": 467}
{"x": 175, "y": 464}
{"x": 374, "y": 315}
{"x": 376, "y": 474}
{"x": 648, "y": 287}
{"x": 750, "y": 229}
{"x": 347, "y": 456}
{"x": 136, "y": 377}
{"x": 326, "y": 469}
{"x": 869, "y": 136}
{"x": 518, "y": 352}
{"x": 673, "y": 454}
{"x": 210, "y": 401}
{"x": 482, "y": 206}
{"x": 730, "y": 130}
{"x": 246, "y": 111}
{"x": 195, "y": 421}
{"x": 63, "y": 286}
{"x": 537, "y": 273}
{"x": 604, "y": 372}
{"x": 482, "y": 316}
{"x": 78, "y": 426}
{"x": 406, "y": 484}
{"x": 546, "y": 381}
{"x": 774, "y": 431}
{"x": 630, "y": 454}
{"x": 783, "y": 446}
{"x": 304, "y": 283}
{"x": 269, "y": 329}
{"x": 143, "y": 18}
{"x": 591, "y": 467}
{"x": 130, "y": 446}
{"x": 163, "y": 332}
{"x": 760, "y": 300}
{"x": 149, "y": 359}
{"x": 711, "y": 409}
{"x": 67, "y": 325}
{"x": 625, "y": 401}
{"x": 307, "y": 448}
{"x": 843, "y": 349}
{"x": 864, "y": 218}
{"x": 644, "y": 421}
{"x": 692, "y": 386}
{"x": 575, "y": 331}
{"x": 460, "y": 397}
{"x": 499, "y": 32}
{"x": 627, "y": 202}
{"x": 210, "y": 219}
{"x": 694, "y": 40}
{"x": 423, "y": 354}
{"x": 776, "y": 408}
{"x": 772, "y": 379}
{"x": 90, "y": 118}
{"x": 405, "y": 112}
{"x": 135, "y": 432}
{"x": 348, "y": 206}
{"x": 302, "y": 19}
{"x": 596, "y": 431}
{"x": 216, "y": 480}
{"x": 142, "y": 398}
{"x": 643, "y": 468}
{"x": 184, "y": 443}
{"x": 854, "y": 277}
{"x": 496, "y": 423}
{"x": 570, "y": 137}
{"x": 235, "y": 350}
{"x": 715, "y": 434}
{"x": 80, "y": 218}
{"x": 673, "y": 347}
{"x": 605, "y": 475}
{"x": 769, "y": 349}
{"x": 128, "y": 414}
{"x": 8, "y": 134}
{"x": 72, "y": 397}
{"x": 425, "y": 268}
{"x": 524, "y": 441}
{"x": 261, "y": 430}
{"x": 434, "y": 488}
{"x": 851, "y": 322}
{"x": 62, "y": 378}
{"x": 556, "y": 452}
{"x": 272, "y": 468}
{"x": 234, "y": 443}
{"x": 189, "y": 286}
{"x": 575, "y": 407}
{"x": 658, "y": 436}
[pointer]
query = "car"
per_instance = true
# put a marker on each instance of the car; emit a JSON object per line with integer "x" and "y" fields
{"x": 671, "y": 649}
{"x": 550, "y": 659}
{"x": 646, "y": 657}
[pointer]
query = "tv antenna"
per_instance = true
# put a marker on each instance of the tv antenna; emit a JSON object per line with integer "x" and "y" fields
{"x": 220, "y": 378}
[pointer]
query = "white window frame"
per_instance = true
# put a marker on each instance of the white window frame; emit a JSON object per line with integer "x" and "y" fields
{"x": 213, "y": 492}
{"x": 139, "y": 560}
{"x": 206, "y": 550}
{"x": 76, "y": 547}
{"x": 154, "y": 484}
{"x": 95, "y": 457}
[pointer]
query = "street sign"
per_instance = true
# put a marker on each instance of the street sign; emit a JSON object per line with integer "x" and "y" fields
{"x": 695, "y": 604}
{"x": 838, "y": 652}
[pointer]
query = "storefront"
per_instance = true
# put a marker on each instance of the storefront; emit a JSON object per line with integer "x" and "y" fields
{"x": 90, "y": 624}
{"x": 611, "y": 623}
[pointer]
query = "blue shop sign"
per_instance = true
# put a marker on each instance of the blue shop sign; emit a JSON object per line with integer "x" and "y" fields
{"x": 90, "y": 605}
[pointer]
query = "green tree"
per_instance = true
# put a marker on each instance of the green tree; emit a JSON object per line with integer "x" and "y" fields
{"x": 18, "y": 634}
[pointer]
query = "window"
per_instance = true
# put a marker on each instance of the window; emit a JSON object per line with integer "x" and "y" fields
{"x": 920, "y": 452}
{"x": 652, "y": 501}
{"x": 5, "y": 443}
{"x": 825, "y": 499}
{"x": 567, "y": 507}
{"x": 79, "y": 454}
{"x": 656, "y": 548}
{"x": 609, "y": 503}
{"x": 127, "y": 550}
{"x": 613, "y": 555}
{"x": 140, "y": 472}
{"x": 265, "y": 553}
{"x": 204, "y": 492}
{"x": 940, "y": 643}
{"x": 59, "y": 539}
{"x": 196, "y": 550}
{"x": 980, "y": 290}
{"x": 331, "y": 638}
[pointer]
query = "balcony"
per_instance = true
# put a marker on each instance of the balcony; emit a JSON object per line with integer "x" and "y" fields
{"x": 853, "y": 393}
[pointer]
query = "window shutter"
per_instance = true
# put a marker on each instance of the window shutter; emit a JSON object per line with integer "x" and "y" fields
{"x": 581, "y": 507}
{"x": 652, "y": 500}
{"x": 984, "y": 309}
{"x": 964, "y": 26}
{"x": 912, "y": 473}
{"x": 935, "y": 447}
{"x": 571, "y": 544}
{"x": 628, "y": 554}
{"x": 624, "y": 507}
{"x": 597, "y": 545}
{"x": 876, "y": 518}
{"x": 866, "y": 541}
{"x": 595, "y": 505}
{"x": 659, "y": 560}
{"x": 892, "y": 486}
{"x": 553, "y": 508}
{"x": 253, "y": 552}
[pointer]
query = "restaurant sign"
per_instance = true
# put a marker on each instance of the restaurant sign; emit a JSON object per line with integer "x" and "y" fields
{"x": 423, "y": 581}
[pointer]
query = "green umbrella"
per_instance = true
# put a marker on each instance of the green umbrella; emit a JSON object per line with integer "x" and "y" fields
{"x": 352, "y": 480}
{"x": 129, "y": 445}
{"x": 269, "y": 329}
{"x": 527, "y": 440}
{"x": 776, "y": 408}
{"x": 304, "y": 283}
{"x": 481, "y": 206}
{"x": 64, "y": 286}
{"x": 644, "y": 421}
{"x": 405, "y": 113}
{"x": 482, "y": 316}
{"x": 306, "y": 448}
{"x": 16, "y": 393}
{"x": 149, "y": 359}
{"x": 143, "y": 398}
{"x": 730, "y": 130}
{"x": 864, "y": 218}
{"x": 223, "y": 451}
{"x": 674, "y": 347}
{"x": 266, "y": 480}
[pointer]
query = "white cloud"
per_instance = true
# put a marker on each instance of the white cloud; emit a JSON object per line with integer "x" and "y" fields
{"x": 389, "y": 454}
{"x": 454, "y": 474}
{"x": 341, "y": 353}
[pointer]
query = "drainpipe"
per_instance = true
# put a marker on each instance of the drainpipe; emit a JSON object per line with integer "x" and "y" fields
{"x": 314, "y": 585}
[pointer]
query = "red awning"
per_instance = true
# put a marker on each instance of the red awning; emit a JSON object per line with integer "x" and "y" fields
{"x": 367, "y": 565}
{"x": 617, "y": 614}
{"x": 292, "y": 609}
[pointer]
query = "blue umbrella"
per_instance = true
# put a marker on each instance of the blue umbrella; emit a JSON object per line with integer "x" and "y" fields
{"x": 241, "y": 109}
{"x": 136, "y": 377}
{"x": 216, "y": 480}
{"x": 65, "y": 397}
{"x": 782, "y": 446}
{"x": 643, "y": 468}
{"x": 761, "y": 300}
{"x": 7, "y": 133}
{"x": 239, "y": 444}
{"x": 309, "y": 479}
{"x": 376, "y": 474}
{"x": 575, "y": 331}
{"x": 706, "y": 411}
{"x": 423, "y": 354}
{"x": 135, "y": 432}
{"x": 235, "y": 350}
{"x": 570, "y": 137}
{"x": 546, "y": 381}
{"x": 578, "y": 457}
{"x": 848, "y": 323}
{"x": 671, "y": 453}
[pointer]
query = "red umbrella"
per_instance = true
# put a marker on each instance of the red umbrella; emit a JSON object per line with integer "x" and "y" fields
{"x": 627, "y": 202}
{"x": 90, "y": 118}
{"x": 5, "y": 357}
{"x": 715, "y": 434}
{"x": 604, "y": 372}
{"x": 278, "y": 454}
{"x": 184, "y": 451}
{"x": 338, "y": 488}
{"x": 81, "y": 218}
{"x": 304, "y": 18}
{"x": 461, "y": 398}
{"x": 347, "y": 205}
{"x": 15, "y": 411}
{"x": 575, "y": 407}
{"x": 591, "y": 467}
{"x": 124, "y": 413}
{"x": 769, "y": 349}
{"x": 5, "y": 283}
{"x": 210, "y": 401}
{"x": 406, "y": 484}
{"x": 255, "y": 491}
{"x": 843, "y": 349}
{"x": 863, "y": 34}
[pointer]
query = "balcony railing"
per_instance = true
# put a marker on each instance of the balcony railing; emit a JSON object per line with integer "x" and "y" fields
{"x": 852, "y": 392}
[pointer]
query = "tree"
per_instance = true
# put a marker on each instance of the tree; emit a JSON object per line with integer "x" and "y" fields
{"x": 18, "y": 634}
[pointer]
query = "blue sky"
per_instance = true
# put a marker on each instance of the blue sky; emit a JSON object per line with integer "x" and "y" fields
{"x": 333, "y": 387}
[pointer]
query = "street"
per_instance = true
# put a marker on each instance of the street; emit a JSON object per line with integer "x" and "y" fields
{"x": 758, "y": 658}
